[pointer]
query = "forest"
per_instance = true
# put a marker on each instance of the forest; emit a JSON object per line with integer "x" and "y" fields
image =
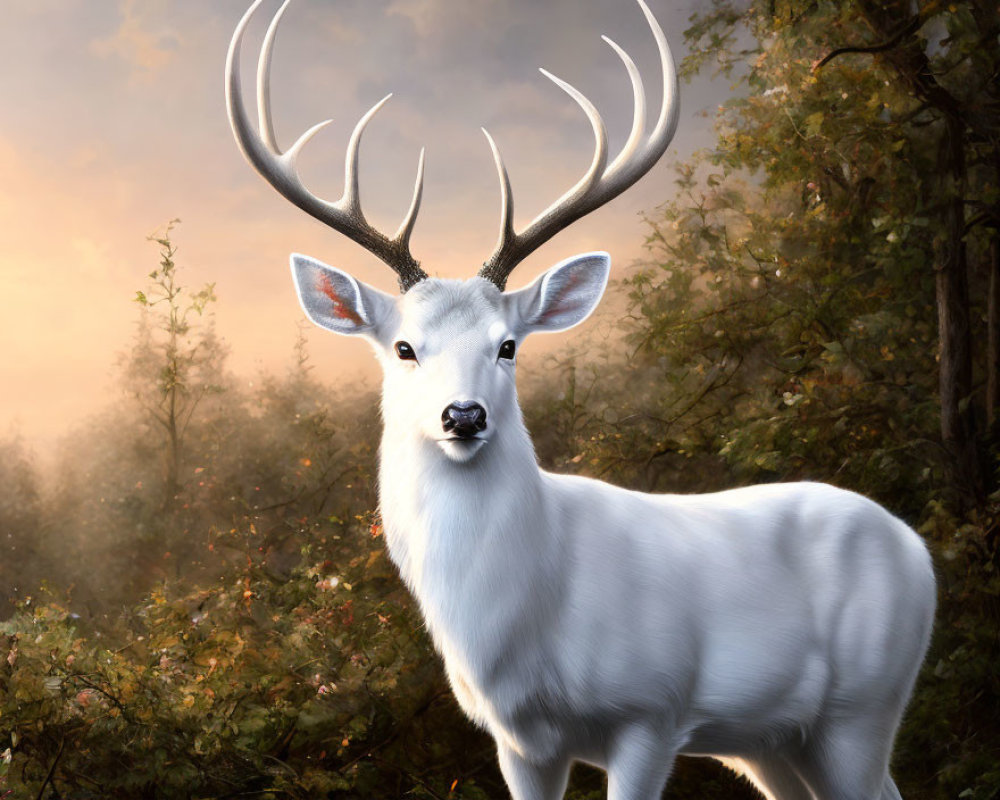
{"x": 196, "y": 602}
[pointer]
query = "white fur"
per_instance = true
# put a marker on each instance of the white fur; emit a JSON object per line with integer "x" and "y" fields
{"x": 778, "y": 627}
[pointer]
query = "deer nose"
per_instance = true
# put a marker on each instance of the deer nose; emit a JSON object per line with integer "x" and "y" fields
{"x": 464, "y": 419}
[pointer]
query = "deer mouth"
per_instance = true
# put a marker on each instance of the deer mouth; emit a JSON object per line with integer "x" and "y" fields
{"x": 462, "y": 435}
{"x": 461, "y": 448}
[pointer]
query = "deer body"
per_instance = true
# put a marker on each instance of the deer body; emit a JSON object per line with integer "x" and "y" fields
{"x": 779, "y": 628}
{"x": 711, "y": 616}
{"x": 567, "y": 609}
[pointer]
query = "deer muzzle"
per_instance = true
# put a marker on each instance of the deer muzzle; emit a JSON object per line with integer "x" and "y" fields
{"x": 464, "y": 419}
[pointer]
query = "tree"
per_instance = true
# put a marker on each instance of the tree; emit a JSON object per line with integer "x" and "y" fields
{"x": 886, "y": 115}
{"x": 176, "y": 361}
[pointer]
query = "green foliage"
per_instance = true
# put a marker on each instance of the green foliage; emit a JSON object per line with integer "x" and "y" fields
{"x": 248, "y": 637}
{"x": 264, "y": 452}
{"x": 320, "y": 684}
{"x": 949, "y": 743}
{"x": 881, "y": 121}
{"x": 785, "y": 359}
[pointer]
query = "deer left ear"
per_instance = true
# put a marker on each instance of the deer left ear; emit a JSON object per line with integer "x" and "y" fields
{"x": 563, "y": 296}
{"x": 337, "y": 301}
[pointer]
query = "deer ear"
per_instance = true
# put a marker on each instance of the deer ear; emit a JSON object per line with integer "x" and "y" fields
{"x": 336, "y": 301}
{"x": 563, "y": 296}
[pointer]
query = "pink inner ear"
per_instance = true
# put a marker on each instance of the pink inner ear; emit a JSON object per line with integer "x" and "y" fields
{"x": 560, "y": 305}
{"x": 340, "y": 310}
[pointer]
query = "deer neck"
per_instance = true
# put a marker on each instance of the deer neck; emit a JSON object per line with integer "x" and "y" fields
{"x": 470, "y": 540}
{"x": 433, "y": 507}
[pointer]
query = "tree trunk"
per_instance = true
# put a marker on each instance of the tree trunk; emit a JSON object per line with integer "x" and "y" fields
{"x": 172, "y": 483}
{"x": 908, "y": 57}
{"x": 993, "y": 334}
{"x": 173, "y": 458}
{"x": 958, "y": 425}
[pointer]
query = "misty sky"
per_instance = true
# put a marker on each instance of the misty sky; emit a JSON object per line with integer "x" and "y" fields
{"x": 113, "y": 122}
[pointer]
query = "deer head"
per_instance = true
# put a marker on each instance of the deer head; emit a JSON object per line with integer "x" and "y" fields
{"x": 448, "y": 348}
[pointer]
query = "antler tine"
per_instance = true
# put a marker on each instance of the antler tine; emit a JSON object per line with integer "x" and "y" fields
{"x": 278, "y": 168}
{"x": 600, "y": 183}
{"x": 638, "y": 107}
{"x": 351, "y": 199}
{"x": 506, "y": 196}
{"x": 600, "y": 159}
{"x": 265, "y": 123}
{"x": 406, "y": 227}
{"x": 495, "y": 270}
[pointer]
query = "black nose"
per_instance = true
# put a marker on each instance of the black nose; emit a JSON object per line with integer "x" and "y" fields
{"x": 464, "y": 419}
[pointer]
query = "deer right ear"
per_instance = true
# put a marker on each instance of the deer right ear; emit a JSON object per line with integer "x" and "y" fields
{"x": 336, "y": 301}
{"x": 563, "y": 296}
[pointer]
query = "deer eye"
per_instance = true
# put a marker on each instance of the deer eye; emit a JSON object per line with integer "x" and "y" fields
{"x": 507, "y": 349}
{"x": 405, "y": 352}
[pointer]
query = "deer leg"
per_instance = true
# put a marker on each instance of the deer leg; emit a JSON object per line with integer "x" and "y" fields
{"x": 640, "y": 762}
{"x": 775, "y": 778}
{"x": 889, "y": 790}
{"x": 528, "y": 780}
{"x": 848, "y": 760}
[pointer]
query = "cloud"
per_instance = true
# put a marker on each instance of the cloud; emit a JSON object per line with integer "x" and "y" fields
{"x": 437, "y": 20}
{"x": 147, "y": 53}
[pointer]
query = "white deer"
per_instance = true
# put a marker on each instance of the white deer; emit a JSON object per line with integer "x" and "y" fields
{"x": 778, "y": 628}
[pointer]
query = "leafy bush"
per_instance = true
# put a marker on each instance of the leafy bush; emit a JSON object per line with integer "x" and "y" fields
{"x": 322, "y": 684}
{"x": 950, "y": 742}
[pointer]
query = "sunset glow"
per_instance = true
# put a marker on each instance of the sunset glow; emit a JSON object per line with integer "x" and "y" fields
{"x": 116, "y": 124}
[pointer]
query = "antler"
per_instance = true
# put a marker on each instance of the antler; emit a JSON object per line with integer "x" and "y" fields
{"x": 278, "y": 168}
{"x": 601, "y": 183}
